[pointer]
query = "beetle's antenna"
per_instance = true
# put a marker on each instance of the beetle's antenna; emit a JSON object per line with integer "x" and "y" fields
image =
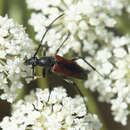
{"x": 47, "y": 29}
{"x": 62, "y": 43}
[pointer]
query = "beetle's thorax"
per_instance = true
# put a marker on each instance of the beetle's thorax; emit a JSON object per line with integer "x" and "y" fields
{"x": 46, "y": 61}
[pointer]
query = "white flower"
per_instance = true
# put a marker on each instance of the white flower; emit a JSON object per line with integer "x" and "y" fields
{"x": 106, "y": 68}
{"x": 93, "y": 34}
{"x": 84, "y": 19}
{"x": 103, "y": 55}
{"x": 61, "y": 112}
{"x": 120, "y": 41}
{"x": 120, "y": 111}
{"x": 14, "y": 46}
{"x": 119, "y": 52}
{"x": 115, "y": 88}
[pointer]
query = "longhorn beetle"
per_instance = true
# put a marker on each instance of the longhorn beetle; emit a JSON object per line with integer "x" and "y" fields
{"x": 58, "y": 64}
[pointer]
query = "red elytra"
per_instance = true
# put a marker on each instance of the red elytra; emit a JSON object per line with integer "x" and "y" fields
{"x": 69, "y": 68}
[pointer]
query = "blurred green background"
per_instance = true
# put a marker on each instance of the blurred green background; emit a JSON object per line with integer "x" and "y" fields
{"x": 17, "y": 10}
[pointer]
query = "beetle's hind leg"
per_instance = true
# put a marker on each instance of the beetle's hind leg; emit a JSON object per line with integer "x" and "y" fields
{"x": 50, "y": 89}
{"x": 78, "y": 90}
{"x": 76, "y": 58}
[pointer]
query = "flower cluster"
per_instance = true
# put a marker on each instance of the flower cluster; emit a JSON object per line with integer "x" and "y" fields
{"x": 14, "y": 46}
{"x": 115, "y": 87}
{"x": 92, "y": 24}
{"x": 86, "y": 20}
{"x": 60, "y": 112}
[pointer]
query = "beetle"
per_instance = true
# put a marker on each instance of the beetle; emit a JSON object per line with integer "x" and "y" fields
{"x": 58, "y": 64}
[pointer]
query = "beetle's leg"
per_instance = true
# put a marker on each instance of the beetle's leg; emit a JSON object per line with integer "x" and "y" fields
{"x": 44, "y": 53}
{"x": 50, "y": 89}
{"x": 62, "y": 43}
{"x": 76, "y": 58}
{"x": 33, "y": 72}
{"x": 44, "y": 72}
{"x": 78, "y": 90}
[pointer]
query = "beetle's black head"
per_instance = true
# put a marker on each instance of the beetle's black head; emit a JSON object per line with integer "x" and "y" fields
{"x": 31, "y": 61}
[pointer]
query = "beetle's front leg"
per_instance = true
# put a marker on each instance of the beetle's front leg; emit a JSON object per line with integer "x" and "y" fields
{"x": 33, "y": 72}
{"x": 44, "y": 72}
